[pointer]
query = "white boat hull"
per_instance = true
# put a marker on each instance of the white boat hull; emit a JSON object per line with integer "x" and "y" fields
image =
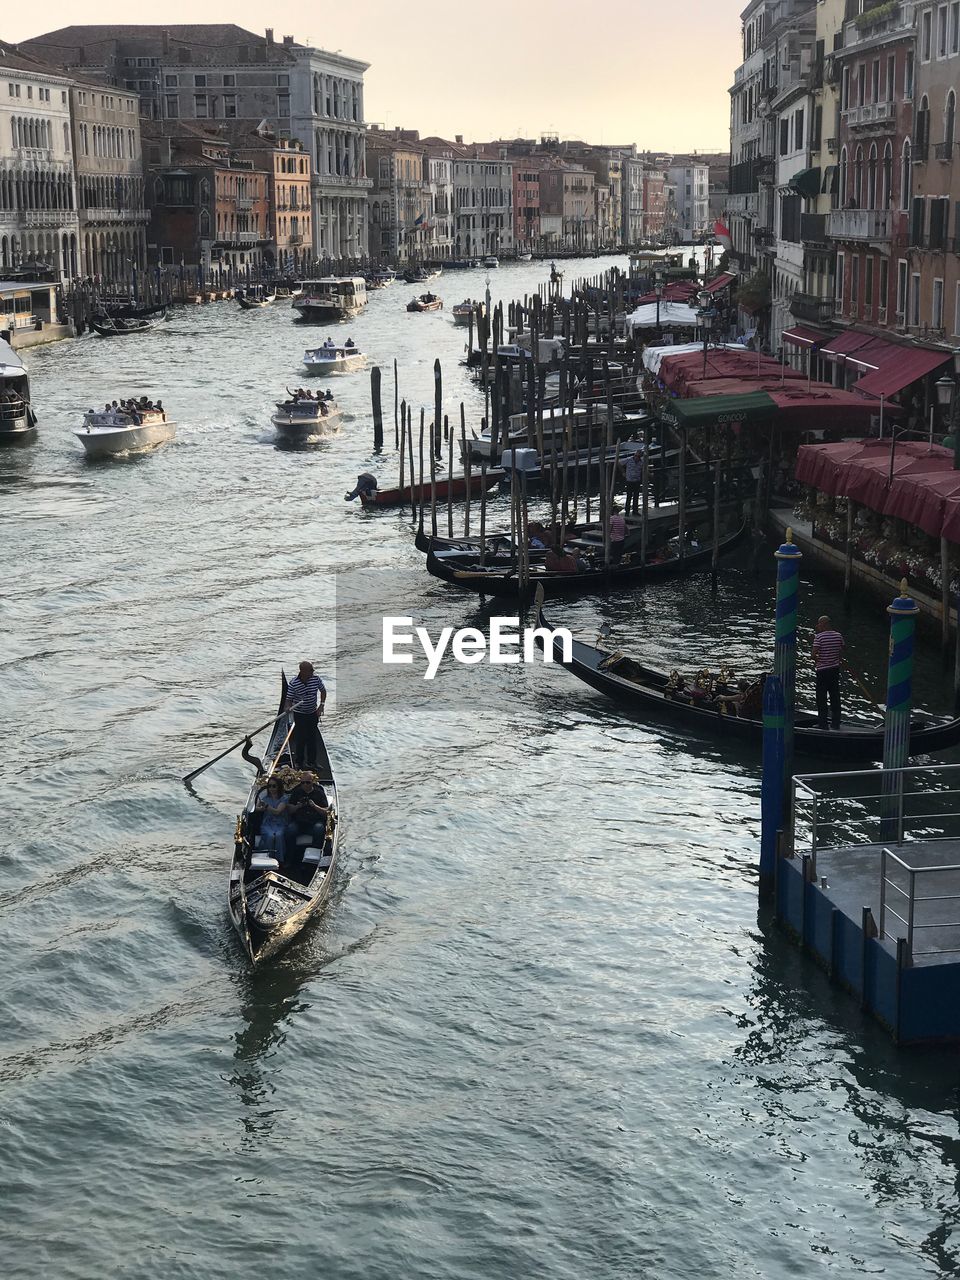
{"x": 297, "y": 427}
{"x": 338, "y": 364}
{"x": 106, "y": 442}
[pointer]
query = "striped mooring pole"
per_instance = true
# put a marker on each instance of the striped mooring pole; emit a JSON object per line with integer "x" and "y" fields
{"x": 788, "y": 559}
{"x": 771, "y": 783}
{"x": 896, "y": 726}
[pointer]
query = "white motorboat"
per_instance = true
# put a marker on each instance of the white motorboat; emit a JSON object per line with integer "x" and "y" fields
{"x": 299, "y": 421}
{"x": 332, "y": 359}
{"x": 110, "y": 433}
{"x": 491, "y": 261}
{"x": 17, "y": 419}
{"x": 462, "y": 312}
{"x": 331, "y": 298}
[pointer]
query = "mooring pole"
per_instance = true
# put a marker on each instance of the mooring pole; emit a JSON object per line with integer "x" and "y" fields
{"x": 788, "y": 559}
{"x": 896, "y": 722}
{"x": 377, "y": 408}
{"x": 772, "y": 781}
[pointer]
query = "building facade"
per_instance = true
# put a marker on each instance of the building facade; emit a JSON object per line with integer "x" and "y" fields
{"x": 39, "y": 227}
{"x": 690, "y": 179}
{"x": 109, "y": 181}
{"x": 526, "y": 203}
{"x": 441, "y": 236}
{"x": 483, "y": 195}
{"x": 579, "y": 227}
{"x": 654, "y": 200}
{"x": 401, "y": 214}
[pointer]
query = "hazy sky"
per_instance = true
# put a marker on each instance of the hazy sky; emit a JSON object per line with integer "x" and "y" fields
{"x": 639, "y": 71}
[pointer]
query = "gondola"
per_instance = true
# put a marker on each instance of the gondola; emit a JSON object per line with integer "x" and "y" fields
{"x": 636, "y": 688}
{"x": 455, "y": 488}
{"x": 268, "y": 906}
{"x": 498, "y": 580}
{"x": 253, "y": 301}
{"x": 121, "y": 322}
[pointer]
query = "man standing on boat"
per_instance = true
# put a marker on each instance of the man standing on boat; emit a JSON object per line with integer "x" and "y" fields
{"x": 302, "y": 693}
{"x": 827, "y": 653}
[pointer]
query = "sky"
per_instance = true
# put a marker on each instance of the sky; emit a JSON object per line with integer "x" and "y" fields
{"x": 622, "y": 71}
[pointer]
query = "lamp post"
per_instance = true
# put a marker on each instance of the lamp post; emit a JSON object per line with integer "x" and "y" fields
{"x": 946, "y": 389}
{"x": 706, "y": 316}
{"x": 658, "y": 287}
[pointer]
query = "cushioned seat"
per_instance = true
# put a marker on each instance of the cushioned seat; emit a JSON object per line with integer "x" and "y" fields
{"x": 264, "y": 862}
{"x": 316, "y": 857}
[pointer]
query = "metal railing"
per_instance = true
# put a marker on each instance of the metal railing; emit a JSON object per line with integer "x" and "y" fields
{"x": 859, "y": 224}
{"x": 908, "y": 900}
{"x": 943, "y": 150}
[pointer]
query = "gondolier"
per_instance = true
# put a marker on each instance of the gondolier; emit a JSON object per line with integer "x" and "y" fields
{"x": 827, "y": 652}
{"x": 302, "y": 699}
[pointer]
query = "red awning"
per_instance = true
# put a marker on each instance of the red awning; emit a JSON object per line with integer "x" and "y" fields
{"x": 899, "y": 367}
{"x": 924, "y": 499}
{"x": 819, "y": 406}
{"x": 867, "y": 480}
{"x": 800, "y": 336}
{"x": 823, "y": 465}
{"x": 845, "y": 343}
{"x": 719, "y": 282}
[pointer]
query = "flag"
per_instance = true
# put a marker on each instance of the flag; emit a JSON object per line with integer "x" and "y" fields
{"x": 722, "y": 232}
{"x": 419, "y": 221}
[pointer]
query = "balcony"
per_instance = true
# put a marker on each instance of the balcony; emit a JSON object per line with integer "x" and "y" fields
{"x": 918, "y": 151}
{"x": 47, "y": 217}
{"x": 240, "y": 237}
{"x": 869, "y": 114}
{"x": 295, "y": 239}
{"x": 244, "y": 202}
{"x": 859, "y": 224}
{"x": 943, "y": 150}
{"x": 103, "y": 214}
{"x": 813, "y": 228}
{"x": 879, "y": 24}
{"x": 747, "y": 203}
{"x": 814, "y": 310}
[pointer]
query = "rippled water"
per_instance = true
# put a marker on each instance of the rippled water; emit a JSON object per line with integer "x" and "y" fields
{"x": 540, "y": 1029}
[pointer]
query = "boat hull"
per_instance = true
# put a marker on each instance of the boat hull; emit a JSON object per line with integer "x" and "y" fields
{"x": 108, "y": 442}
{"x": 298, "y": 430}
{"x": 324, "y": 312}
{"x": 455, "y": 488}
{"x": 341, "y": 364}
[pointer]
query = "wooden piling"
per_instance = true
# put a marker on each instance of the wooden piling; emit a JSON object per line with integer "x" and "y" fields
{"x": 403, "y": 445}
{"x": 410, "y": 446}
{"x": 377, "y": 408}
{"x": 398, "y": 442}
{"x": 437, "y": 409}
{"x": 422, "y": 482}
{"x": 448, "y": 434}
{"x": 715, "y": 557}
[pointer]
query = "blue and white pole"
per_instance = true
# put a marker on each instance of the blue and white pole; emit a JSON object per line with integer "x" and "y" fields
{"x": 771, "y": 784}
{"x": 896, "y": 727}
{"x": 785, "y": 646}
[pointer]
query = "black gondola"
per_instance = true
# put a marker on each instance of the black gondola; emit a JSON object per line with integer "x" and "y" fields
{"x": 498, "y": 580}
{"x": 269, "y": 908}
{"x": 636, "y": 688}
{"x": 120, "y": 322}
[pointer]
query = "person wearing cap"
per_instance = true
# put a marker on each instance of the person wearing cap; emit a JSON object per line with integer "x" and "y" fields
{"x": 633, "y": 474}
{"x": 827, "y": 654}
{"x": 303, "y": 692}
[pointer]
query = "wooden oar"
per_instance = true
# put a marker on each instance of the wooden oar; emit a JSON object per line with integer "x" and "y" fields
{"x": 863, "y": 688}
{"x": 190, "y": 776}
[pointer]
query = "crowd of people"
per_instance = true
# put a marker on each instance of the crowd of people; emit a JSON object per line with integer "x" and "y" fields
{"x": 304, "y": 394}
{"x": 117, "y": 413}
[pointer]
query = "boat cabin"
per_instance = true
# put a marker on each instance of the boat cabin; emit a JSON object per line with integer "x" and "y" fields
{"x": 347, "y": 291}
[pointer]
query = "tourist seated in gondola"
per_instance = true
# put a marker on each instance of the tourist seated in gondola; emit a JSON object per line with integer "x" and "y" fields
{"x": 273, "y": 807}
{"x": 676, "y": 688}
{"x": 557, "y": 560}
{"x": 307, "y": 806}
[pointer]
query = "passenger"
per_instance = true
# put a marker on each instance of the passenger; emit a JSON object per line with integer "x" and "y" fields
{"x": 158, "y": 408}
{"x": 559, "y": 561}
{"x": 272, "y": 805}
{"x": 308, "y": 807}
{"x": 365, "y": 487}
{"x": 349, "y": 345}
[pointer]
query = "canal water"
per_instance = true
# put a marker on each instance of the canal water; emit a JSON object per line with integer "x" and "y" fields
{"x": 541, "y": 1028}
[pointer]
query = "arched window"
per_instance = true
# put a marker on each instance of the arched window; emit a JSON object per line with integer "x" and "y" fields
{"x": 13, "y": 131}
{"x": 886, "y": 177}
{"x": 872, "y": 178}
{"x": 158, "y": 190}
{"x": 922, "y": 130}
{"x": 949, "y": 122}
{"x": 204, "y": 224}
{"x": 204, "y": 191}
{"x": 843, "y": 177}
{"x": 906, "y": 174}
{"x": 858, "y": 178}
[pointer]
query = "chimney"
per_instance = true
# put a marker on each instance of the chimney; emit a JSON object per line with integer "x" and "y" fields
{"x": 459, "y": 139}
{"x": 165, "y": 41}
{"x": 269, "y": 35}
{"x": 288, "y": 40}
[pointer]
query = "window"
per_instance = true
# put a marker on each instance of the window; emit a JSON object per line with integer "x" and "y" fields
{"x": 199, "y": 82}
{"x": 845, "y": 89}
{"x": 875, "y": 81}
{"x": 956, "y": 311}
{"x": 854, "y": 281}
{"x": 936, "y": 307}
{"x": 902, "y": 290}
{"x": 891, "y": 80}
{"x": 908, "y": 77}
{"x": 949, "y": 121}
{"x": 868, "y": 284}
{"x": 939, "y": 211}
{"x": 229, "y": 81}
{"x": 915, "y": 300}
{"x": 955, "y": 27}
{"x": 66, "y": 138}
{"x": 283, "y": 82}
{"x": 918, "y": 220}
{"x": 798, "y": 131}
{"x": 858, "y": 179}
{"x": 29, "y": 90}
{"x": 200, "y": 106}
{"x": 906, "y": 176}
{"x": 841, "y": 259}
{"x": 229, "y": 106}
{"x": 886, "y": 177}
{"x": 171, "y": 108}
{"x": 171, "y": 82}
{"x": 283, "y": 104}
{"x": 884, "y": 281}
{"x": 784, "y": 137}
{"x": 842, "y": 182}
{"x": 926, "y": 35}
{"x": 942, "y": 31}
{"x": 872, "y": 177}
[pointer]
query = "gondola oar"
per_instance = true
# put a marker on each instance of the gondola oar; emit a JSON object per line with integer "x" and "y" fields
{"x": 863, "y": 688}
{"x": 190, "y": 776}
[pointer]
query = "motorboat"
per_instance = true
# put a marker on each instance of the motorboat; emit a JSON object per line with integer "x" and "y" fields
{"x": 490, "y": 261}
{"x": 333, "y": 359}
{"x": 331, "y": 298}
{"x": 300, "y": 420}
{"x": 17, "y": 419}
{"x": 426, "y": 302}
{"x": 524, "y": 257}
{"x": 463, "y": 311}
{"x": 109, "y": 433}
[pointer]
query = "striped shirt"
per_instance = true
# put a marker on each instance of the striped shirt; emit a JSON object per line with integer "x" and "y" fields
{"x": 302, "y": 694}
{"x": 827, "y": 649}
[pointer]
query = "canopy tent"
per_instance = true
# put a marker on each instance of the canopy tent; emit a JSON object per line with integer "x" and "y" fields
{"x": 818, "y": 407}
{"x": 900, "y": 366}
{"x": 834, "y": 468}
{"x": 671, "y": 315}
{"x": 653, "y": 357}
{"x": 806, "y": 183}
{"x": 926, "y": 500}
{"x": 707, "y": 411}
{"x": 722, "y": 281}
{"x": 679, "y": 369}
{"x": 801, "y": 336}
{"x": 867, "y": 480}
{"x": 793, "y": 407}
{"x": 675, "y": 291}
{"x": 846, "y": 343}
{"x": 821, "y": 465}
